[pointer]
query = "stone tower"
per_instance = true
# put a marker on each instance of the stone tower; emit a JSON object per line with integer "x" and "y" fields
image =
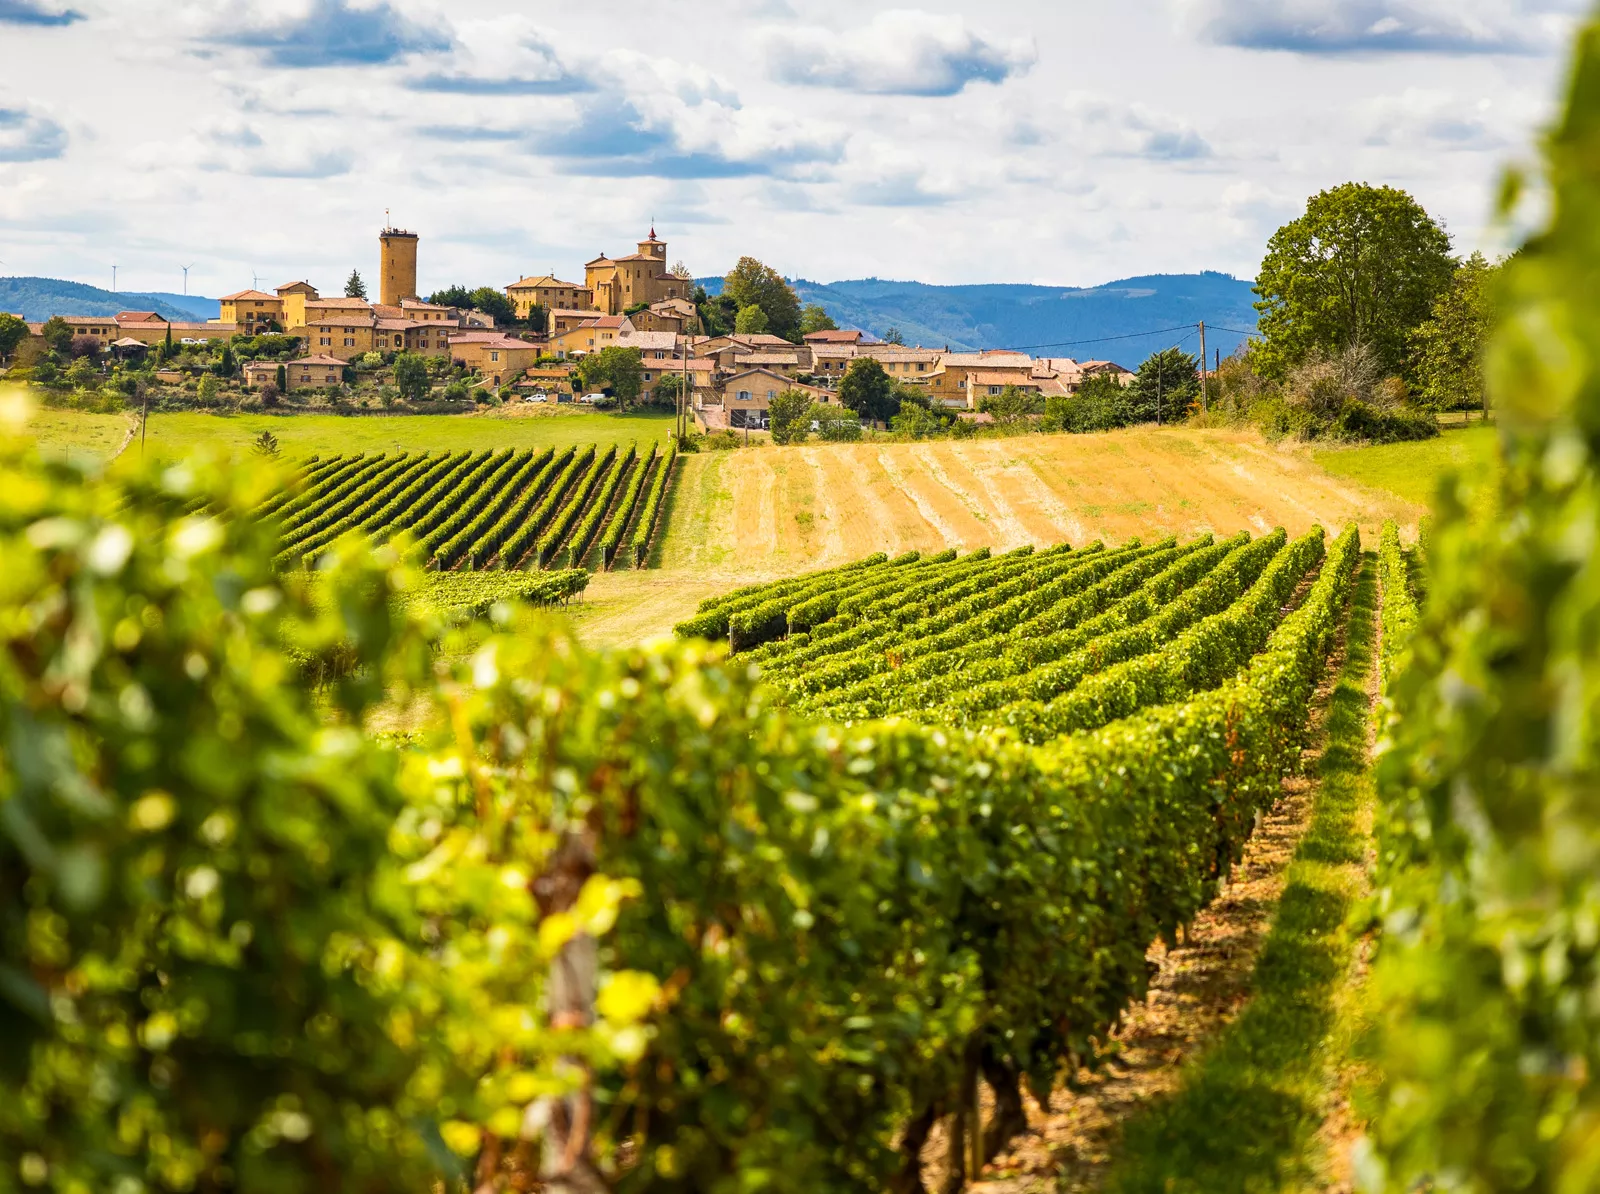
{"x": 397, "y": 268}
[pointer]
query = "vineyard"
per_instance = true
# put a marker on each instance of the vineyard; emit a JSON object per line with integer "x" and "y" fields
{"x": 468, "y": 511}
{"x": 1081, "y": 740}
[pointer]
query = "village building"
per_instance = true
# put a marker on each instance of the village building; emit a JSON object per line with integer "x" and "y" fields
{"x": 634, "y": 282}
{"x": 319, "y": 369}
{"x": 499, "y": 359}
{"x": 549, "y": 292}
{"x": 592, "y": 335}
{"x": 252, "y": 311}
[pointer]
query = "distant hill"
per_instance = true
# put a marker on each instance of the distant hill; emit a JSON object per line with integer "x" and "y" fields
{"x": 40, "y": 298}
{"x": 1066, "y": 320}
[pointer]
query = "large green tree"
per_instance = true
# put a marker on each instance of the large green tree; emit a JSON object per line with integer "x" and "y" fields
{"x": 1448, "y": 347}
{"x": 618, "y": 371}
{"x": 790, "y": 412}
{"x": 1167, "y": 384}
{"x": 354, "y": 287}
{"x": 57, "y": 333}
{"x": 815, "y": 318}
{"x": 752, "y": 284}
{"x": 1363, "y": 265}
{"x": 866, "y": 389}
{"x": 752, "y": 320}
{"x": 411, "y": 376}
{"x": 13, "y": 331}
{"x": 483, "y": 298}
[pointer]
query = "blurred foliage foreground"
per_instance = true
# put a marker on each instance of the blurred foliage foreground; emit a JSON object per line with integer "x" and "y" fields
{"x": 242, "y": 944}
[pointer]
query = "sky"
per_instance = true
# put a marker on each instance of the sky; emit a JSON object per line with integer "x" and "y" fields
{"x": 1058, "y": 142}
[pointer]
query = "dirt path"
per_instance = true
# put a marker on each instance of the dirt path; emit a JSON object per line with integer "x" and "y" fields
{"x": 1200, "y": 989}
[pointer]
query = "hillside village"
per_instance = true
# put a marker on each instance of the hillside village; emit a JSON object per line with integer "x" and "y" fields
{"x": 295, "y": 338}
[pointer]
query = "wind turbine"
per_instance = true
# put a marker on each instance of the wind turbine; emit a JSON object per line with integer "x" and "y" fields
{"x": 113, "y": 278}
{"x": 186, "y": 270}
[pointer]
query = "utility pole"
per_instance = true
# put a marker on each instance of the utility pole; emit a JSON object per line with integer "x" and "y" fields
{"x": 1160, "y": 366}
{"x": 1205, "y": 388}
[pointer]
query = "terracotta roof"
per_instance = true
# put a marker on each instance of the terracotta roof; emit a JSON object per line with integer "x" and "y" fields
{"x": 755, "y": 359}
{"x": 321, "y": 358}
{"x": 600, "y": 260}
{"x": 896, "y": 353}
{"x": 1104, "y": 367}
{"x": 765, "y": 338}
{"x": 138, "y": 317}
{"x": 1012, "y": 377}
{"x": 402, "y": 325}
{"x": 547, "y": 281}
{"x": 650, "y": 340}
{"x": 843, "y": 352}
{"x": 343, "y": 322}
{"x": 787, "y": 381}
{"x": 605, "y": 321}
{"x": 492, "y": 339}
{"x": 341, "y": 304}
{"x": 247, "y": 294}
{"x": 291, "y": 285}
{"x": 588, "y": 313}
{"x": 834, "y": 336}
{"x": 986, "y": 360}
{"x": 383, "y": 312}
{"x": 419, "y": 305}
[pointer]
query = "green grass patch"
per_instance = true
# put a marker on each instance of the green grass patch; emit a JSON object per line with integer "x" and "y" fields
{"x": 176, "y": 434}
{"x": 1246, "y": 1114}
{"x": 1413, "y": 470}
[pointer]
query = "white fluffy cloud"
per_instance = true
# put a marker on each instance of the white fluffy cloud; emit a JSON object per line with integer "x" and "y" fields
{"x": 1068, "y": 143}
{"x": 902, "y": 52}
{"x": 1384, "y": 26}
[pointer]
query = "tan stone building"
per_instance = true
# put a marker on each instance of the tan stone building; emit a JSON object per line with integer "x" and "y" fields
{"x": 346, "y": 338}
{"x": 549, "y": 292}
{"x": 497, "y": 358}
{"x": 593, "y": 334}
{"x": 961, "y": 377}
{"x": 253, "y": 311}
{"x": 639, "y": 279}
{"x": 316, "y": 370}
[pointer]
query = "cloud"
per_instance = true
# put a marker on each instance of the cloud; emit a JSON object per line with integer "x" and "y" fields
{"x": 1106, "y": 129}
{"x": 286, "y": 152}
{"x": 1452, "y": 27}
{"x": 505, "y": 57}
{"x": 1435, "y": 119}
{"x": 331, "y": 33}
{"x": 31, "y": 12}
{"x": 27, "y": 135}
{"x": 901, "y": 52}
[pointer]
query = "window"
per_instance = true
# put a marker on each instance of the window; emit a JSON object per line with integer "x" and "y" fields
{"x": 744, "y": 395}
{"x": 494, "y": 356}
{"x": 349, "y": 341}
{"x": 771, "y": 394}
{"x": 995, "y": 389}
{"x": 922, "y": 366}
{"x": 326, "y": 341}
{"x": 647, "y": 377}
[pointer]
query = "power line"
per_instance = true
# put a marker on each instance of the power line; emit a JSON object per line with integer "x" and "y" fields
{"x": 1236, "y": 331}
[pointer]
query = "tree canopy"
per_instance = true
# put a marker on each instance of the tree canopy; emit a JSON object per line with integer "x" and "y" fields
{"x": 1167, "y": 384}
{"x": 866, "y": 389}
{"x": 815, "y": 318}
{"x": 752, "y": 284}
{"x": 484, "y": 298}
{"x": 354, "y": 287}
{"x": 1448, "y": 346}
{"x": 618, "y": 371}
{"x": 752, "y": 320}
{"x": 13, "y": 331}
{"x": 790, "y": 412}
{"x": 411, "y": 376}
{"x": 1363, "y": 265}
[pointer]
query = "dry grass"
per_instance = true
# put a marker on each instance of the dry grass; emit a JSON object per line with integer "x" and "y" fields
{"x": 737, "y": 517}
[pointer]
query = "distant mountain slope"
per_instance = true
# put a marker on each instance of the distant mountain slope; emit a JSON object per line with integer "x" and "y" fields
{"x": 1067, "y": 320}
{"x": 40, "y": 298}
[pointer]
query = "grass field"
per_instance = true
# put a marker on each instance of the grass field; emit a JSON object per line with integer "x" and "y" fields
{"x": 180, "y": 433}
{"x": 740, "y": 516}
{"x": 1412, "y": 471}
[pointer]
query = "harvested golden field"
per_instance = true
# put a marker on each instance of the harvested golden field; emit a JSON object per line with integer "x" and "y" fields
{"x": 734, "y": 517}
